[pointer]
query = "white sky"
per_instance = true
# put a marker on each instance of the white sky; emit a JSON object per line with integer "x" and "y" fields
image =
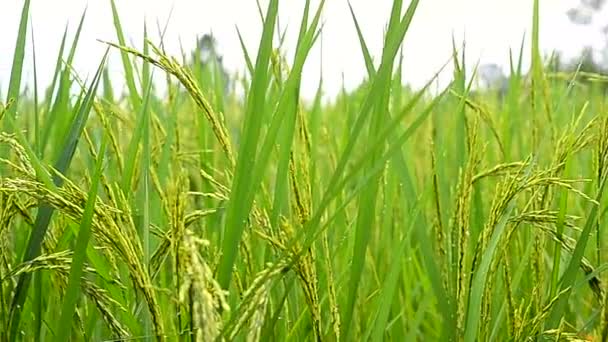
{"x": 489, "y": 26}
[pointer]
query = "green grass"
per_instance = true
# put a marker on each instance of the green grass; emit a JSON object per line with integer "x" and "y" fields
{"x": 384, "y": 213}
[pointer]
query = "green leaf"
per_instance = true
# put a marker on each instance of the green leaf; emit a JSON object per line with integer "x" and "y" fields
{"x": 45, "y": 211}
{"x": 14, "y": 85}
{"x": 481, "y": 273}
{"x": 569, "y": 277}
{"x": 238, "y": 206}
{"x": 126, "y": 63}
{"x": 72, "y": 291}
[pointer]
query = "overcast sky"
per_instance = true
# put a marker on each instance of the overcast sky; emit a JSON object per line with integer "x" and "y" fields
{"x": 489, "y": 27}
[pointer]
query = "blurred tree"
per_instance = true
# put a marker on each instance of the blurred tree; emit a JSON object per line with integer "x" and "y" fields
{"x": 208, "y": 66}
{"x": 492, "y": 79}
{"x": 583, "y": 13}
{"x": 492, "y": 76}
{"x": 590, "y": 60}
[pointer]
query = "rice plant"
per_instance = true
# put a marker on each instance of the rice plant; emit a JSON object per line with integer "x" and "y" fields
{"x": 381, "y": 214}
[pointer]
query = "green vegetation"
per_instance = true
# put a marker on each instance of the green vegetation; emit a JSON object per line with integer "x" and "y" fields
{"x": 385, "y": 214}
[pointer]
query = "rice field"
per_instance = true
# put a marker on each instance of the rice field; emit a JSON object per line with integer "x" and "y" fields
{"x": 385, "y": 213}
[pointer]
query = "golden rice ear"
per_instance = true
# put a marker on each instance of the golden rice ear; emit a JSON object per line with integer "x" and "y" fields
{"x": 171, "y": 66}
{"x": 59, "y": 265}
{"x": 251, "y": 298}
{"x": 200, "y": 292}
{"x": 112, "y": 227}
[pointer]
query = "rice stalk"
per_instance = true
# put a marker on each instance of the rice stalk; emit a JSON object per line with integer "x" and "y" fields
{"x": 512, "y": 317}
{"x": 257, "y": 320}
{"x": 331, "y": 289}
{"x": 306, "y": 266}
{"x": 460, "y": 223}
{"x": 250, "y": 299}
{"x": 497, "y": 171}
{"x": 532, "y": 326}
{"x": 438, "y": 226}
{"x": 487, "y": 118}
{"x": 601, "y": 161}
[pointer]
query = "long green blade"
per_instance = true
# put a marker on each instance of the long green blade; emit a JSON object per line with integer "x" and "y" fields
{"x": 14, "y": 85}
{"x": 72, "y": 291}
{"x": 45, "y": 211}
